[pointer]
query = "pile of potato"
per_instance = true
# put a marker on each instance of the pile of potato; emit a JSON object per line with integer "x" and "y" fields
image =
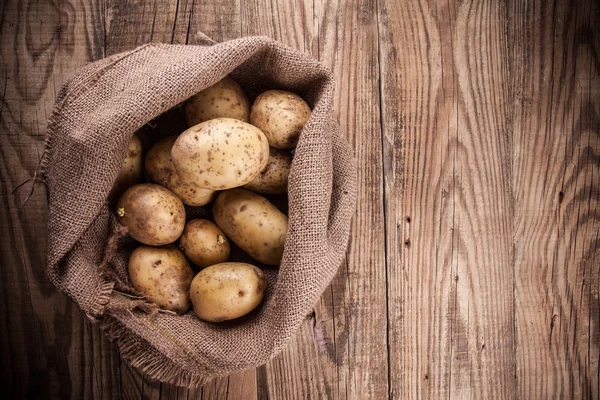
{"x": 231, "y": 152}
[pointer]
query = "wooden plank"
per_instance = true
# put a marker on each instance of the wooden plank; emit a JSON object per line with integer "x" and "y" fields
{"x": 46, "y": 340}
{"x": 444, "y": 77}
{"x": 242, "y": 385}
{"x": 297, "y": 373}
{"x": 173, "y": 22}
{"x": 351, "y": 361}
{"x": 219, "y": 20}
{"x": 290, "y": 22}
{"x": 216, "y": 389}
{"x": 357, "y": 304}
{"x": 333, "y": 311}
{"x": 556, "y": 188}
{"x": 354, "y": 61}
{"x": 126, "y": 26}
{"x": 130, "y": 380}
{"x": 287, "y": 376}
{"x": 100, "y": 364}
{"x": 130, "y": 24}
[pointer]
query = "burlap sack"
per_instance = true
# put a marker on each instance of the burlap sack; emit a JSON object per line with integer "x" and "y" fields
{"x": 95, "y": 115}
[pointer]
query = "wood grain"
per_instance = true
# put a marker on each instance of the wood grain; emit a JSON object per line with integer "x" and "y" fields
{"x": 473, "y": 268}
{"x": 556, "y": 167}
{"x": 348, "y": 45}
{"x": 47, "y": 345}
{"x": 297, "y": 372}
{"x": 448, "y": 199}
{"x": 352, "y": 358}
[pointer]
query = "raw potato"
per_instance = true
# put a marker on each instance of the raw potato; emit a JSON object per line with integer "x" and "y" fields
{"x": 227, "y": 291}
{"x": 153, "y": 214}
{"x": 131, "y": 170}
{"x": 220, "y": 154}
{"x": 281, "y": 116}
{"x": 224, "y": 99}
{"x": 163, "y": 275}
{"x": 273, "y": 179}
{"x": 252, "y": 223}
{"x": 160, "y": 169}
{"x": 204, "y": 243}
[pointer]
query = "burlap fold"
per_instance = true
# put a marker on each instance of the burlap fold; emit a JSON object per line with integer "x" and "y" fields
{"x": 95, "y": 115}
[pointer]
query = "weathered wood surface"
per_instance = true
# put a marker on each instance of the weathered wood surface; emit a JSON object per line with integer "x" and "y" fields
{"x": 474, "y": 264}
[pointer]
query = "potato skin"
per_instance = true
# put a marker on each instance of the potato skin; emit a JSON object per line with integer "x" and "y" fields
{"x": 273, "y": 179}
{"x": 160, "y": 169}
{"x": 204, "y": 243}
{"x": 220, "y": 154}
{"x": 227, "y": 291}
{"x": 253, "y": 223}
{"x": 153, "y": 214}
{"x": 224, "y": 99}
{"x": 130, "y": 172}
{"x": 281, "y": 116}
{"x": 163, "y": 275}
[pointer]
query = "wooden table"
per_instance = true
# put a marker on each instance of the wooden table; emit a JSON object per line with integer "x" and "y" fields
{"x": 474, "y": 263}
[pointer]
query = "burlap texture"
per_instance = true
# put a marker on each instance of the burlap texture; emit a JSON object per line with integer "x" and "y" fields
{"x": 95, "y": 115}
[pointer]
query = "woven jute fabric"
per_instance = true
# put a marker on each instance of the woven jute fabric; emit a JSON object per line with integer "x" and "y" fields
{"x": 95, "y": 115}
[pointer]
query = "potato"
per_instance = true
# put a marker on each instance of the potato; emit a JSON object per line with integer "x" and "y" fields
{"x": 224, "y": 99}
{"x": 252, "y": 223}
{"x": 227, "y": 291}
{"x": 161, "y": 170}
{"x": 204, "y": 243}
{"x": 163, "y": 275}
{"x": 281, "y": 116}
{"x": 130, "y": 172}
{"x": 220, "y": 154}
{"x": 153, "y": 214}
{"x": 273, "y": 178}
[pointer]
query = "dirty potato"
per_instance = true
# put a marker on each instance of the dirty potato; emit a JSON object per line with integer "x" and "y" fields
{"x": 224, "y": 99}
{"x": 204, "y": 243}
{"x": 281, "y": 116}
{"x": 273, "y": 178}
{"x": 227, "y": 291}
{"x": 153, "y": 214}
{"x": 163, "y": 275}
{"x": 220, "y": 154}
{"x": 253, "y": 223}
{"x": 130, "y": 172}
{"x": 160, "y": 169}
